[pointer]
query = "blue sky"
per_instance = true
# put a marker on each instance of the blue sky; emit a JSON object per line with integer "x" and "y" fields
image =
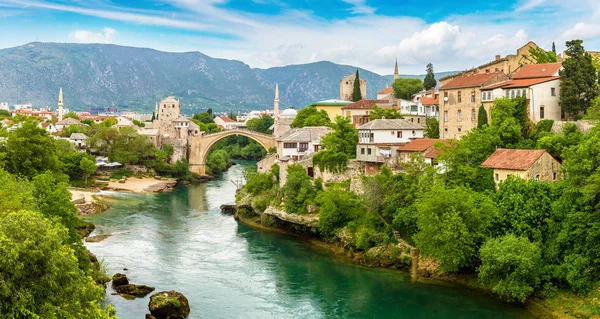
{"x": 453, "y": 35}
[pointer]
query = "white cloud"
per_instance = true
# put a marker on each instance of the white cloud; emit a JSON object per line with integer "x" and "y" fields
{"x": 86, "y": 36}
{"x": 360, "y": 7}
{"x": 582, "y": 31}
{"x": 529, "y": 4}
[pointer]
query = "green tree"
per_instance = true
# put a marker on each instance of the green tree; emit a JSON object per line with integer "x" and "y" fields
{"x": 138, "y": 123}
{"x": 204, "y": 117}
{"x": 429, "y": 82}
{"x": 539, "y": 56}
{"x": 40, "y": 274}
{"x": 482, "y": 118}
{"x": 232, "y": 116}
{"x": 72, "y": 115}
{"x": 453, "y": 224}
{"x": 405, "y": 88}
{"x": 383, "y": 113}
{"x": 340, "y": 145}
{"x": 310, "y": 116}
{"x": 554, "y": 48}
{"x": 88, "y": 167}
{"x": 432, "y": 129}
{"x": 578, "y": 79}
{"x": 217, "y": 162}
{"x": 298, "y": 190}
{"x": 356, "y": 93}
{"x": 511, "y": 265}
{"x": 261, "y": 124}
{"x": 30, "y": 151}
{"x": 336, "y": 208}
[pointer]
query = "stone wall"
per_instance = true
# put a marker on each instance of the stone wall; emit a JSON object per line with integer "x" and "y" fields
{"x": 179, "y": 146}
{"x": 583, "y": 126}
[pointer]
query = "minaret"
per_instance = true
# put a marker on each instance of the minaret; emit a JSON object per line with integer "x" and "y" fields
{"x": 396, "y": 76}
{"x": 60, "y": 105}
{"x": 276, "y": 102}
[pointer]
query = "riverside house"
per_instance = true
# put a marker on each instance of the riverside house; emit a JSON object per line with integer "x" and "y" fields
{"x": 526, "y": 164}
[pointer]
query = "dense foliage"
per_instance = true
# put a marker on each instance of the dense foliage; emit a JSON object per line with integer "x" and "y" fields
{"x": 340, "y": 145}
{"x": 404, "y": 88}
{"x": 384, "y": 113}
{"x": 261, "y": 124}
{"x": 482, "y": 118}
{"x": 310, "y": 116}
{"x": 578, "y": 80}
{"x": 432, "y": 128}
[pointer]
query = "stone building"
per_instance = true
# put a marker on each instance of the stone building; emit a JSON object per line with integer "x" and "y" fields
{"x": 359, "y": 111}
{"x": 526, "y": 164}
{"x": 347, "y": 87}
{"x": 299, "y": 143}
{"x": 173, "y": 129}
{"x": 460, "y": 100}
{"x": 539, "y": 83}
{"x": 167, "y": 111}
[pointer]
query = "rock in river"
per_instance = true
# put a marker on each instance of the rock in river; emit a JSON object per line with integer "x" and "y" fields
{"x": 134, "y": 290}
{"x": 169, "y": 305}
{"x": 119, "y": 280}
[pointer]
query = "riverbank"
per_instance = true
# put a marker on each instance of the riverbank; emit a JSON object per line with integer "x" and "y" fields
{"x": 571, "y": 306}
{"x": 143, "y": 185}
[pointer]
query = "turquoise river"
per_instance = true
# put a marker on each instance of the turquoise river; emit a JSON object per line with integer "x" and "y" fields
{"x": 181, "y": 241}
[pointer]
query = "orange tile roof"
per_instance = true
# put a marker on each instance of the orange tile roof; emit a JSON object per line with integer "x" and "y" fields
{"x": 537, "y": 70}
{"x": 430, "y": 100}
{"x": 512, "y": 159}
{"x": 419, "y": 145}
{"x": 386, "y": 91}
{"x": 465, "y": 81}
{"x": 520, "y": 83}
{"x": 227, "y": 119}
{"x": 365, "y": 104}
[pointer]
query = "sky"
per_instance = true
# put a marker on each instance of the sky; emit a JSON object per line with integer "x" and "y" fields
{"x": 371, "y": 34}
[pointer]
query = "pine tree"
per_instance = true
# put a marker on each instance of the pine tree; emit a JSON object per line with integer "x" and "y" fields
{"x": 356, "y": 93}
{"x": 482, "y": 118}
{"x": 554, "y": 48}
{"x": 579, "y": 79}
{"x": 429, "y": 82}
{"x": 153, "y": 116}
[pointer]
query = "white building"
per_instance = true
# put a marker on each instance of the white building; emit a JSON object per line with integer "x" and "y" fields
{"x": 49, "y": 127}
{"x": 60, "y": 125}
{"x": 28, "y": 106}
{"x": 78, "y": 139}
{"x": 4, "y": 106}
{"x": 539, "y": 83}
{"x": 227, "y": 123}
{"x": 298, "y": 143}
{"x": 379, "y": 141}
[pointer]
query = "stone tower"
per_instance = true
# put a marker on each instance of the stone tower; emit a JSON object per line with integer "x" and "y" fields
{"x": 60, "y": 105}
{"x": 168, "y": 113}
{"x": 396, "y": 75}
{"x": 347, "y": 86}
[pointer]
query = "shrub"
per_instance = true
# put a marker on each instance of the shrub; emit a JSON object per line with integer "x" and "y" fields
{"x": 336, "y": 208}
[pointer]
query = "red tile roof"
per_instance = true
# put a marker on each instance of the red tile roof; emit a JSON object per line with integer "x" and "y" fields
{"x": 226, "y": 119}
{"x": 386, "y": 91}
{"x": 512, "y": 159}
{"x": 430, "y": 100}
{"x": 537, "y": 70}
{"x": 365, "y": 104}
{"x": 419, "y": 145}
{"x": 520, "y": 83}
{"x": 465, "y": 81}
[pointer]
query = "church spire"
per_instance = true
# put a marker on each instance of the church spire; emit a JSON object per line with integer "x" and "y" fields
{"x": 276, "y": 102}
{"x": 396, "y": 76}
{"x": 60, "y": 105}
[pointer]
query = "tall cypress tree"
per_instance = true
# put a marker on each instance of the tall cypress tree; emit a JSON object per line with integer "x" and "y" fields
{"x": 578, "y": 79}
{"x": 356, "y": 93}
{"x": 554, "y": 48}
{"x": 429, "y": 81}
{"x": 482, "y": 117}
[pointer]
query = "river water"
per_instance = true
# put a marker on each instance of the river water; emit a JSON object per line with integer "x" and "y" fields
{"x": 181, "y": 241}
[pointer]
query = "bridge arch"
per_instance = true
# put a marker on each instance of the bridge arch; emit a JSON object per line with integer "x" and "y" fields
{"x": 200, "y": 146}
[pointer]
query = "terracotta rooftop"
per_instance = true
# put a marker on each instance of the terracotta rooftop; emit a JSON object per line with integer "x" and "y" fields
{"x": 419, "y": 145}
{"x": 520, "y": 83}
{"x": 537, "y": 70}
{"x": 512, "y": 159}
{"x": 226, "y": 119}
{"x": 430, "y": 100}
{"x": 387, "y": 90}
{"x": 465, "y": 81}
{"x": 365, "y": 104}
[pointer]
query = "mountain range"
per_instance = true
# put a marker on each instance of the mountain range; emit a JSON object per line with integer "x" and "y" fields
{"x": 106, "y": 75}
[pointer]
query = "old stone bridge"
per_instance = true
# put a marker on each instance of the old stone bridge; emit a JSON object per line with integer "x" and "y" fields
{"x": 200, "y": 146}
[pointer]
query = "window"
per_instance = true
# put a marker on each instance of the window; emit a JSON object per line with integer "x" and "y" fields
{"x": 459, "y": 130}
{"x": 518, "y": 93}
{"x": 446, "y": 129}
{"x": 414, "y": 133}
{"x": 507, "y": 92}
{"x": 472, "y": 96}
{"x": 445, "y": 95}
{"x": 362, "y": 151}
{"x": 512, "y": 94}
{"x": 553, "y": 91}
{"x": 303, "y": 147}
{"x": 473, "y": 115}
{"x": 554, "y": 176}
{"x": 459, "y": 115}
{"x": 497, "y": 177}
{"x": 368, "y": 151}
{"x": 399, "y": 134}
{"x": 290, "y": 145}
{"x": 459, "y": 96}
{"x": 537, "y": 177}
{"x": 445, "y": 116}
{"x": 418, "y": 120}
{"x": 392, "y": 132}
{"x": 524, "y": 93}
{"x": 541, "y": 112}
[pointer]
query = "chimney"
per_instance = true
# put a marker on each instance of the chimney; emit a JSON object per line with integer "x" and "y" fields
{"x": 497, "y": 57}
{"x": 433, "y": 92}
